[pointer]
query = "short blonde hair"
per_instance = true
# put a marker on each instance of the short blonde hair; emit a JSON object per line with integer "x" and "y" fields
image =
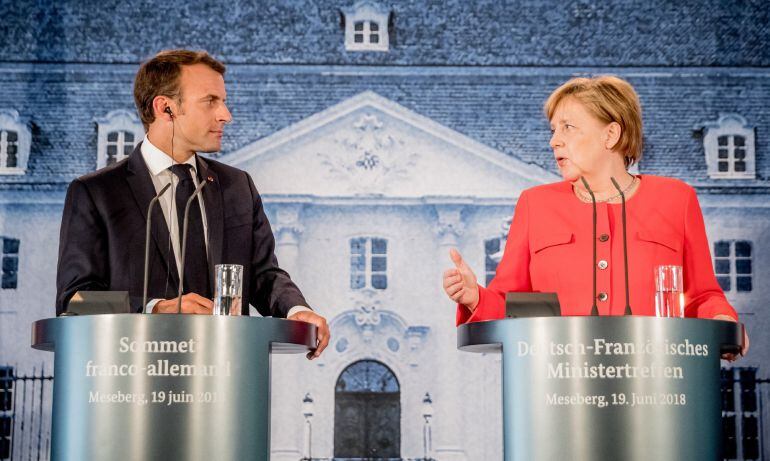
{"x": 609, "y": 99}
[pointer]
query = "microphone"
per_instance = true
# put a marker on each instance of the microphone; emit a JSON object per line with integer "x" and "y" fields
{"x": 152, "y": 204}
{"x": 594, "y": 307}
{"x": 625, "y": 242}
{"x": 195, "y": 193}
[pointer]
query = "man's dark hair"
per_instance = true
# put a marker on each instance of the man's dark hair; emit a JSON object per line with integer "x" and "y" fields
{"x": 160, "y": 77}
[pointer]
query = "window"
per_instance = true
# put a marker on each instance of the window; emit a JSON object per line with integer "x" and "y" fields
{"x": 367, "y": 376}
{"x": 15, "y": 141}
{"x": 118, "y": 134}
{"x": 493, "y": 250}
{"x": 7, "y": 381}
{"x": 729, "y": 147}
{"x": 10, "y": 263}
{"x": 119, "y": 145}
{"x": 740, "y": 413}
{"x": 731, "y": 154}
{"x": 9, "y": 146}
{"x": 366, "y": 27}
{"x": 368, "y": 263}
{"x": 732, "y": 265}
{"x": 366, "y": 32}
{"x": 492, "y": 255}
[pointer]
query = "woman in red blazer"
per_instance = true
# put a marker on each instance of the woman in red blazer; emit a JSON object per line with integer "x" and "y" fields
{"x": 597, "y": 134}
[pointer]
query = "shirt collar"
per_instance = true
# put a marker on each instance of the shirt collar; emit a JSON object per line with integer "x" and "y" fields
{"x": 158, "y": 161}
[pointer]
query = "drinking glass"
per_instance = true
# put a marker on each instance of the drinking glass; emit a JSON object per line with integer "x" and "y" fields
{"x": 669, "y": 291}
{"x": 228, "y": 286}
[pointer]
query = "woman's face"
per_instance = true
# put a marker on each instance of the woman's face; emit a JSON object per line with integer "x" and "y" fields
{"x": 579, "y": 140}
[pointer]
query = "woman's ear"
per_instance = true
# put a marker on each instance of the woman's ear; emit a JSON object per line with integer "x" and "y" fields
{"x": 612, "y": 135}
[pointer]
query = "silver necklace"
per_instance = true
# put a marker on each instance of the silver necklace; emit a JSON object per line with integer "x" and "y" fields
{"x": 587, "y": 198}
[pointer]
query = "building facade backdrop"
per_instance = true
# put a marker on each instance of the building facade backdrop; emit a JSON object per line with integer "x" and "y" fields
{"x": 380, "y": 135}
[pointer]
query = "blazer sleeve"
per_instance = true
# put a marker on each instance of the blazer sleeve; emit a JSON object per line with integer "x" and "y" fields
{"x": 272, "y": 291}
{"x": 512, "y": 272}
{"x": 83, "y": 251}
{"x": 705, "y": 298}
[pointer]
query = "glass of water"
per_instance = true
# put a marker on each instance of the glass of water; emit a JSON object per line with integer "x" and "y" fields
{"x": 669, "y": 291}
{"x": 228, "y": 286}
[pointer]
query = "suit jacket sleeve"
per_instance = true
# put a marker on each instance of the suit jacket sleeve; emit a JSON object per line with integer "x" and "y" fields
{"x": 272, "y": 291}
{"x": 705, "y": 298}
{"x": 83, "y": 254}
{"x": 512, "y": 272}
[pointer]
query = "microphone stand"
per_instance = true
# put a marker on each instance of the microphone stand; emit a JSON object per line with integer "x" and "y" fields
{"x": 594, "y": 307}
{"x": 184, "y": 243}
{"x": 625, "y": 243}
{"x": 153, "y": 202}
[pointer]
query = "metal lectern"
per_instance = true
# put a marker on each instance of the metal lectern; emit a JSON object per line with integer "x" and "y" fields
{"x": 162, "y": 387}
{"x": 608, "y": 388}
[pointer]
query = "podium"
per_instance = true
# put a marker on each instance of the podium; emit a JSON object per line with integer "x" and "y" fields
{"x": 159, "y": 387}
{"x": 608, "y": 388}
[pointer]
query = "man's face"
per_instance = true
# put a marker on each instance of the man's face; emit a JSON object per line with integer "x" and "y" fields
{"x": 203, "y": 114}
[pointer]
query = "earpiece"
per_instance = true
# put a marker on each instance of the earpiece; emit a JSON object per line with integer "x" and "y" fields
{"x": 168, "y": 111}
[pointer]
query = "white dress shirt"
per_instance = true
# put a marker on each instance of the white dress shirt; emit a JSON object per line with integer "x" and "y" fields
{"x": 159, "y": 163}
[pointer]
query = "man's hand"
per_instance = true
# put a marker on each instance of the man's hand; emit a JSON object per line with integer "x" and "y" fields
{"x": 323, "y": 330}
{"x": 744, "y": 350}
{"x": 460, "y": 282}
{"x": 192, "y": 303}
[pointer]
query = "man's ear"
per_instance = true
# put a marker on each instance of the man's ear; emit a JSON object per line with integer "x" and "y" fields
{"x": 164, "y": 108}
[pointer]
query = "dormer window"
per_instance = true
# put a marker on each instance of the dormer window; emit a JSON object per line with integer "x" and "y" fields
{"x": 366, "y": 27}
{"x": 366, "y": 31}
{"x": 731, "y": 154}
{"x": 118, "y": 134}
{"x": 729, "y": 147}
{"x": 15, "y": 142}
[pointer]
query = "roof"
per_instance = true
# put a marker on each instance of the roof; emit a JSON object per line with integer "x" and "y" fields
{"x": 501, "y": 109}
{"x": 424, "y": 32}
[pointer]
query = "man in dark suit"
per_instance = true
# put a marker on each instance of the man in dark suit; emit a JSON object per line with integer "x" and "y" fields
{"x": 180, "y": 96}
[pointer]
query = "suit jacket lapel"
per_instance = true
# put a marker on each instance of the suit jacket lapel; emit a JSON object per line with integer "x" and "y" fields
{"x": 215, "y": 220}
{"x": 140, "y": 183}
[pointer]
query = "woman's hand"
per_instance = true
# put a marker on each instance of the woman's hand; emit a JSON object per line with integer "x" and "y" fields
{"x": 460, "y": 282}
{"x": 744, "y": 350}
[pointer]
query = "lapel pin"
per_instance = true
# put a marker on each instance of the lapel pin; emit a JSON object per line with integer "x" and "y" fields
{"x": 210, "y": 179}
